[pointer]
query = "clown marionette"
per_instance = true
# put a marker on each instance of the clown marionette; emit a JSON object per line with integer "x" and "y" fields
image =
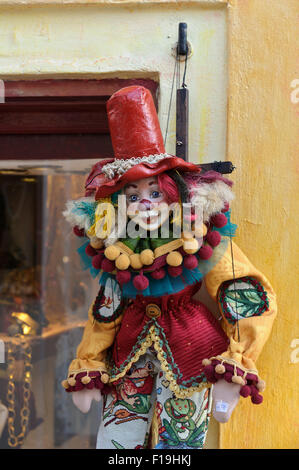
{"x": 149, "y": 347}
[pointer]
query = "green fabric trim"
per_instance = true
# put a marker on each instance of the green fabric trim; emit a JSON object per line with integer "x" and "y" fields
{"x": 130, "y": 242}
{"x": 139, "y": 244}
{"x": 245, "y": 303}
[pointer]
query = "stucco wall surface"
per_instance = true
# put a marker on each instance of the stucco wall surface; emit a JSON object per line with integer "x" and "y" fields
{"x": 263, "y": 142}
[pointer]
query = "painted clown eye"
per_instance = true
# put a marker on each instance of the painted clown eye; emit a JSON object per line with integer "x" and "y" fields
{"x": 155, "y": 194}
{"x": 133, "y": 198}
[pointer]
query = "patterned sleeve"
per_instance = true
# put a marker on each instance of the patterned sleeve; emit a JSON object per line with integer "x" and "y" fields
{"x": 89, "y": 369}
{"x": 247, "y": 304}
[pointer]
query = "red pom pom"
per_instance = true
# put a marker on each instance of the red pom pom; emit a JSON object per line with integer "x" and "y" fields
{"x": 218, "y": 376}
{"x": 245, "y": 391}
{"x": 226, "y": 207}
{"x": 80, "y": 232}
{"x": 158, "y": 274}
{"x": 219, "y": 220}
{"x": 90, "y": 251}
{"x": 253, "y": 390}
{"x": 209, "y": 373}
{"x": 98, "y": 383}
{"x": 257, "y": 399}
{"x": 205, "y": 252}
{"x": 190, "y": 262}
{"x": 123, "y": 277}
{"x": 175, "y": 271}
{"x": 228, "y": 376}
{"x": 97, "y": 261}
{"x": 140, "y": 282}
{"x": 213, "y": 238}
{"x": 107, "y": 265}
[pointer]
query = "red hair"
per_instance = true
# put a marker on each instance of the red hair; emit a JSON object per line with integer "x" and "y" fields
{"x": 169, "y": 188}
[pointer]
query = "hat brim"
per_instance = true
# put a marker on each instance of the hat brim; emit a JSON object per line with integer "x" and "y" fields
{"x": 102, "y": 186}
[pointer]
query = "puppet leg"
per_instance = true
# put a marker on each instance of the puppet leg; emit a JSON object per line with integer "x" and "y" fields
{"x": 182, "y": 422}
{"x": 128, "y": 409}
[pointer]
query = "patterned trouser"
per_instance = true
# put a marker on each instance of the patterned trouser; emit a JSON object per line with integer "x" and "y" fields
{"x": 128, "y": 411}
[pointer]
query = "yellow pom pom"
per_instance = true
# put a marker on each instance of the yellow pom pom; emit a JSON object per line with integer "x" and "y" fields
{"x": 122, "y": 262}
{"x": 174, "y": 258}
{"x": 220, "y": 369}
{"x": 105, "y": 378}
{"x": 200, "y": 232}
{"x": 86, "y": 379}
{"x": 261, "y": 385}
{"x": 71, "y": 381}
{"x": 206, "y": 362}
{"x": 65, "y": 384}
{"x": 112, "y": 252}
{"x": 187, "y": 235}
{"x": 147, "y": 257}
{"x": 191, "y": 246}
{"x": 136, "y": 261}
{"x": 96, "y": 243}
{"x": 236, "y": 379}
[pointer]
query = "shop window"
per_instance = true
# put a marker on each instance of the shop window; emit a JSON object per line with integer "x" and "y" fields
{"x": 49, "y": 140}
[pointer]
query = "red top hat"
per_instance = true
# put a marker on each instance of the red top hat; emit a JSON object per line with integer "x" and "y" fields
{"x": 137, "y": 143}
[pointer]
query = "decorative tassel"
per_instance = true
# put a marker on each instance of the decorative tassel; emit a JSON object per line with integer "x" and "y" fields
{"x": 175, "y": 271}
{"x": 206, "y": 362}
{"x": 261, "y": 385}
{"x": 97, "y": 261}
{"x": 158, "y": 274}
{"x": 71, "y": 381}
{"x": 190, "y": 262}
{"x": 86, "y": 380}
{"x": 219, "y": 220}
{"x": 147, "y": 257}
{"x": 122, "y": 262}
{"x": 245, "y": 391}
{"x": 220, "y": 369}
{"x": 65, "y": 384}
{"x": 191, "y": 246}
{"x": 205, "y": 252}
{"x": 236, "y": 379}
{"x": 96, "y": 243}
{"x": 90, "y": 251}
{"x": 174, "y": 258}
{"x": 123, "y": 277}
{"x": 105, "y": 378}
{"x": 112, "y": 252}
{"x": 135, "y": 261}
{"x": 140, "y": 282}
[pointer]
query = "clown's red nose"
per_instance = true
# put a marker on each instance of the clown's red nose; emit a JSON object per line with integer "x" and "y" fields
{"x": 146, "y": 204}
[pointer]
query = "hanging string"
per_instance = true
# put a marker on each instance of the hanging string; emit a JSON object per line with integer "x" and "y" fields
{"x": 234, "y": 277}
{"x": 176, "y": 63}
{"x": 178, "y": 81}
{"x": 185, "y": 70}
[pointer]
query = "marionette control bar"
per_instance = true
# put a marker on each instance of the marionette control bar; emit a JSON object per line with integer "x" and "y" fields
{"x": 182, "y": 47}
{"x": 221, "y": 167}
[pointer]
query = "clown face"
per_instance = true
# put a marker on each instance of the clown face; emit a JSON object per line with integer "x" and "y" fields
{"x": 146, "y": 203}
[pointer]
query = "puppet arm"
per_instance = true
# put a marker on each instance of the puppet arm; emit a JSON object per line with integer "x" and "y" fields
{"x": 250, "y": 299}
{"x": 88, "y": 370}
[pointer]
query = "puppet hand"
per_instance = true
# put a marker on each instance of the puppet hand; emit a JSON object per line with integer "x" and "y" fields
{"x": 225, "y": 398}
{"x": 83, "y": 398}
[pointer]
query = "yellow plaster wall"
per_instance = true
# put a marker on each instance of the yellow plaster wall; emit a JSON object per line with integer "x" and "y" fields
{"x": 263, "y": 142}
